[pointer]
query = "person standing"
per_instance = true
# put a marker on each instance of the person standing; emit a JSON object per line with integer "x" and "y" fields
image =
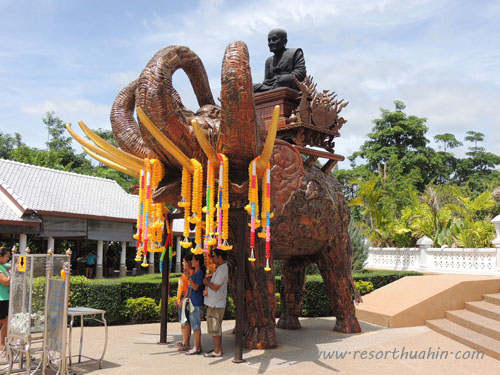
{"x": 90, "y": 265}
{"x": 195, "y": 295}
{"x": 182, "y": 291}
{"x": 215, "y": 300}
{"x": 4, "y": 294}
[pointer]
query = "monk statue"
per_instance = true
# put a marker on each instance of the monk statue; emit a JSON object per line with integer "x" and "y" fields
{"x": 281, "y": 68}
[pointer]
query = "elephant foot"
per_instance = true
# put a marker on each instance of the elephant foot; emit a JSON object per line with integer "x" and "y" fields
{"x": 288, "y": 322}
{"x": 260, "y": 338}
{"x": 347, "y": 325}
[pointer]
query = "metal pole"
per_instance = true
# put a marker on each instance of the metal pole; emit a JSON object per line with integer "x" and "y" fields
{"x": 165, "y": 286}
{"x": 240, "y": 231}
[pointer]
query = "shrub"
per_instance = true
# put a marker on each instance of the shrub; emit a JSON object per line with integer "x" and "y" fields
{"x": 106, "y": 295}
{"x": 172, "y": 313}
{"x": 363, "y": 287}
{"x": 381, "y": 278}
{"x": 142, "y": 309}
{"x": 230, "y": 312}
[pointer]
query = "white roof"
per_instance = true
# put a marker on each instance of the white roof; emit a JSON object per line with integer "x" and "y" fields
{"x": 50, "y": 191}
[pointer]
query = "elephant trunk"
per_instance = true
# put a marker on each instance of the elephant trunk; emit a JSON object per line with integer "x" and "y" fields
{"x": 240, "y": 136}
{"x": 125, "y": 128}
{"x": 157, "y": 97}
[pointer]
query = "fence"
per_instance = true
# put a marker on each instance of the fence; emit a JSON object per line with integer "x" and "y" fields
{"x": 425, "y": 258}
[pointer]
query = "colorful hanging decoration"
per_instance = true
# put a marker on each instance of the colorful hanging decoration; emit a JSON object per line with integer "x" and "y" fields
{"x": 223, "y": 204}
{"x": 196, "y": 205}
{"x": 150, "y": 217}
{"x": 186, "y": 204}
{"x": 253, "y": 209}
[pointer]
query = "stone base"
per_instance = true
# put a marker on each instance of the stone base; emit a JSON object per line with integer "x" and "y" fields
{"x": 98, "y": 272}
{"x": 123, "y": 271}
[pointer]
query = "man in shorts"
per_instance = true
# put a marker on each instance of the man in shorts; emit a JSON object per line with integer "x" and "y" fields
{"x": 215, "y": 300}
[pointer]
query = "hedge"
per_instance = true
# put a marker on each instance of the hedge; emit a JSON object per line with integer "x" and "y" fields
{"x": 112, "y": 295}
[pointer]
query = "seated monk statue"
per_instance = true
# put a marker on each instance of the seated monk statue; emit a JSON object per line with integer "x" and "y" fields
{"x": 281, "y": 68}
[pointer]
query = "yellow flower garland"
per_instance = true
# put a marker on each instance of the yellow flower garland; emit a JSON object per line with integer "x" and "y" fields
{"x": 196, "y": 205}
{"x": 186, "y": 204}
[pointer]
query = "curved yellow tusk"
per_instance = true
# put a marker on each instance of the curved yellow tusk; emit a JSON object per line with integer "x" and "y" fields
{"x": 165, "y": 142}
{"x": 269, "y": 145}
{"x": 110, "y": 148}
{"x": 111, "y": 164}
{"x": 101, "y": 151}
{"x": 205, "y": 145}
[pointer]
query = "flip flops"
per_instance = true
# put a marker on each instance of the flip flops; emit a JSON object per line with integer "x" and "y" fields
{"x": 211, "y": 354}
{"x": 193, "y": 352}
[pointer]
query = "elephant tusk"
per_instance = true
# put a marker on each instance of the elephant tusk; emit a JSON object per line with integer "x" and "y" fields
{"x": 109, "y": 163}
{"x": 101, "y": 151}
{"x": 165, "y": 142}
{"x": 205, "y": 145}
{"x": 110, "y": 148}
{"x": 269, "y": 145}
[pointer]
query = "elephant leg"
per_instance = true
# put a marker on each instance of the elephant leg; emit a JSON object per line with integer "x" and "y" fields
{"x": 260, "y": 301}
{"x": 294, "y": 273}
{"x": 259, "y": 322}
{"x": 335, "y": 269}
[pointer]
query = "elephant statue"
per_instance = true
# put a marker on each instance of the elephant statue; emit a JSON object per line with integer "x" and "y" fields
{"x": 311, "y": 217}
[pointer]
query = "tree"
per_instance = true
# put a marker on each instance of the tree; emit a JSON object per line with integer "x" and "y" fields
{"x": 448, "y": 140}
{"x": 474, "y": 137}
{"x": 394, "y": 133}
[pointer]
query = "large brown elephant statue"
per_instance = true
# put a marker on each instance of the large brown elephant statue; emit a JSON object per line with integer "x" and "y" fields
{"x": 311, "y": 215}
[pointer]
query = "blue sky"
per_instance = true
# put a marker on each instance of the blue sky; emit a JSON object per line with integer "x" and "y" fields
{"x": 440, "y": 57}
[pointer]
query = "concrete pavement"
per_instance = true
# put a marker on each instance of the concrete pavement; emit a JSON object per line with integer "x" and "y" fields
{"x": 133, "y": 349}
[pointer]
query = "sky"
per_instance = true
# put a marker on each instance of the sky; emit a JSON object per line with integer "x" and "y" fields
{"x": 440, "y": 57}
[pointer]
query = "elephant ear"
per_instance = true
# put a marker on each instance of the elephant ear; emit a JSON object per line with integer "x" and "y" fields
{"x": 287, "y": 172}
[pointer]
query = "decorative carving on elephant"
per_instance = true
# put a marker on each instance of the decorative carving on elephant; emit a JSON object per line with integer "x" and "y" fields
{"x": 311, "y": 217}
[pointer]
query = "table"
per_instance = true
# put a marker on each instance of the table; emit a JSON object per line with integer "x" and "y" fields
{"x": 86, "y": 313}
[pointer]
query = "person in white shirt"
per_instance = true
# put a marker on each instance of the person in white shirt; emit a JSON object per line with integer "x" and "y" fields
{"x": 215, "y": 300}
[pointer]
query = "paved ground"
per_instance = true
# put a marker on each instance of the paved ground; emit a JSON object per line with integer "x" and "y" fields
{"x": 133, "y": 349}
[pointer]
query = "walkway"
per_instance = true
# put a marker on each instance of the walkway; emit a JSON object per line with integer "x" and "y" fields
{"x": 133, "y": 350}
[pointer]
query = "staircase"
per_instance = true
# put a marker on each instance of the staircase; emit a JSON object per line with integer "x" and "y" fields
{"x": 477, "y": 326}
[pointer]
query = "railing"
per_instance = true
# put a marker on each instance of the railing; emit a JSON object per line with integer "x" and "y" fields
{"x": 425, "y": 258}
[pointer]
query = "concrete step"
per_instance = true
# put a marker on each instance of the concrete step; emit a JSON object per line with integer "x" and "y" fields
{"x": 492, "y": 298}
{"x": 479, "y": 323}
{"x": 484, "y": 308}
{"x": 466, "y": 336}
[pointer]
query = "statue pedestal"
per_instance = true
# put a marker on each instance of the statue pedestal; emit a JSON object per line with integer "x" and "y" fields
{"x": 288, "y": 99}
{"x": 298, "y": 128}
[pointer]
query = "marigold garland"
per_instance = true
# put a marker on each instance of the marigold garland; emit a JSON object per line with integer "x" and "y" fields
{"x": 186, "y": 204}
{"x": 150, "y": 218}
{"x": 253, "y": 209}
{"x": 223, "y": 204}
{"x": 196, "y": 205}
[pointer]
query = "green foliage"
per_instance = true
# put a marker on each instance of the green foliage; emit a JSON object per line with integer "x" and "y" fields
{"x": 448, "y": 140}
{"x": 106, "y": 294}
{"x": 359, "y": 248}
{"x": 114, "y": 295}
{"x": 142, "y": 309}
{"x": 230, "y": 312}
{"x": 278, "y": 305}
{"x": 380, "y": 278}
{"x": 363, "y": 287}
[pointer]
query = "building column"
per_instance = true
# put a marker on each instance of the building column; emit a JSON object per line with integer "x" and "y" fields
{"x": 123, "y": 260}
{"x": 51, "y": 242}
{"x": 151, "y": 268}
{"x": 98, "y": 272}
{"x": 178, "y": 255}
{"x": 23, "y": 242}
